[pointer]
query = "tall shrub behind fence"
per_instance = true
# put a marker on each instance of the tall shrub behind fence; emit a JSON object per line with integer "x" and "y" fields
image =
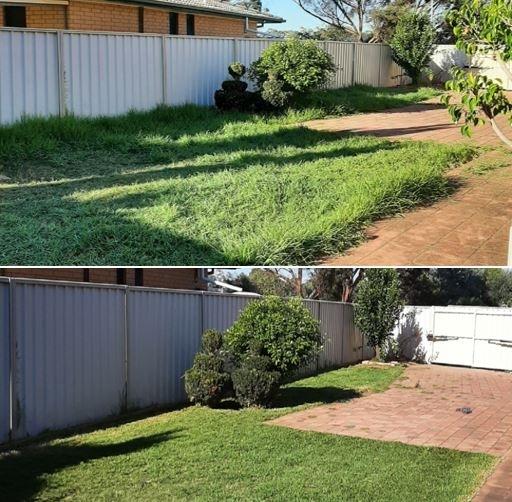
{"x": 4, "y": 362}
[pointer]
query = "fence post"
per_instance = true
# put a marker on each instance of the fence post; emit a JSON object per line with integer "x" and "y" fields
{"x": 164, "y": 70}
{"x": 235, "y": 50}
{"x": 61, "y": 81}
{"x": 14, "y": 415}
{"x": 380, "y": 65}
{"x": 353, "y": 63}
{"x": 126, "y": 349}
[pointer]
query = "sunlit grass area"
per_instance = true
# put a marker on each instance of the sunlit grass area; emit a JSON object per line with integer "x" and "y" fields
{"x": 189, "y": 186}
{"x": 203, "y": 454}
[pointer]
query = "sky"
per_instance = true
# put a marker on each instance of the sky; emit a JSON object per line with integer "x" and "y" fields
{"x": 294, "y": 15}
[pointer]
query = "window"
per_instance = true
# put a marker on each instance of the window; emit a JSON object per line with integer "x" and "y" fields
{"x": 141, "y": 19}
{"x": 121, "y": 276}
{"x": 15, "y": 17}
{"x": 191, "y": 24}
{"x": 139, "y": 277}
{"x": 173, "y": 23}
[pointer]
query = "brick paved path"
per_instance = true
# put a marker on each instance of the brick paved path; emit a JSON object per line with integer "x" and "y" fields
{"x": 422, "y": 410}
{"x": 469, "y": 228}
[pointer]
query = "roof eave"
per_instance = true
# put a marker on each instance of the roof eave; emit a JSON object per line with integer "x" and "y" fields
{"x": 205, "y": 10}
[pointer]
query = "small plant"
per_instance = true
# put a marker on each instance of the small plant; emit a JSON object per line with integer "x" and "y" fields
{"x": 413, "y": 43}
{"x": 237, "y": 70}
{"x": 281, "y": 329}
{"x": 299, "y": 66}
{"x": 378, "y": 305}
{"x": 208, "y": 381}
{"x": 234, "y": 94}
{"x": 273, "y": 92}
{"x": 254, "y": 381}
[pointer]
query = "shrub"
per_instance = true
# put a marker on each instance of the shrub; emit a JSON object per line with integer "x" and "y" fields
{"x": 378, "y": 305}
{"x": 273, "y": 92}
{"x": 234, "y": 94}
{"x": 282, "y": 329}
{"x": 254, "y": 381}
{"x": 208, "y": 381}
{"x": 301, "y": 65}
{"x": 237, "y": 70}
{"x": 413, "y": 43}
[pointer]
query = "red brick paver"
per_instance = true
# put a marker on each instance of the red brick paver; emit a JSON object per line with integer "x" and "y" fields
{"x": 427, "y": 121}
{"x": 470, "y": 228}
{"x": 425, "y": 409}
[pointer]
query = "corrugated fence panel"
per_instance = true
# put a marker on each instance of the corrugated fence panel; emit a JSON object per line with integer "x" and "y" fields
{"x": 248, "y": 51}
{"x": 331, "y": 318}
{"x": 342, "y": 54}
{"x": 112, "y": 74}
{"x": 4, "y": 362}
{"x": 352, "y": 340}
{"x": 367, "y": 64}
{"x": 221, "y": 311}
{"x": 197, "y": 67}
{"x": 164, "y": 333}
{"x": 29, "y": 75}
{"x": 70, "y": 355}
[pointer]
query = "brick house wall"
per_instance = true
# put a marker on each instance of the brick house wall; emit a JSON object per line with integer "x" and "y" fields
{"x": 171, "y": 278}
{"x": 84, "y": 15}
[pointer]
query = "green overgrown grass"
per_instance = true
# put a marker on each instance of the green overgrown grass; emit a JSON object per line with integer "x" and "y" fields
{"x": 203, "y": 454}
{"x": 189, "y": 186}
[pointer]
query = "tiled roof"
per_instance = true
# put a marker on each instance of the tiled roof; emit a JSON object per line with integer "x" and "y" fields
{"x": 220, "y": 7}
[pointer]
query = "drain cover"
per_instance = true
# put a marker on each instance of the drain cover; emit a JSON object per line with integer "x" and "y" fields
{"x": 466, "y": 411}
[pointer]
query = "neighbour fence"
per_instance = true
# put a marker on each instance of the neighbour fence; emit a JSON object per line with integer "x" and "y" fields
{"x": 73, "y": 353}
{"x": 46, "y": 73}
{"x": 467, "y": 336}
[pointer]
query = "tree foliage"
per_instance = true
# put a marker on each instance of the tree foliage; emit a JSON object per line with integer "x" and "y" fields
{"x": 282, "y": 329}
{"x": 412, "y": 44}
{"x": 301, "y": 65}
{"x": 335, "y": 284}
{"x": 481, "y": 27}
{"x": 346, "y": 15}
{"x": 378, "y": 305}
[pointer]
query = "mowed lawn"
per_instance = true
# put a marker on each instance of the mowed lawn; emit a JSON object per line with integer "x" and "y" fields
{"x": 189, "y": 186}
{"x": 203, "y": 454}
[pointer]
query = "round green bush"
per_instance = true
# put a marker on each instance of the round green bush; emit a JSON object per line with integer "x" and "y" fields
{"x": 282, "y": 329}
{"x": 254, "y": 381}
{"x": 206, "y": 387}
{"x": 234, "y": 86}
{"x": 273, "y": 92}
{"x": 300, "y": 64}
{"x": 212, "y": 341}
{"x": 209, "y": 381}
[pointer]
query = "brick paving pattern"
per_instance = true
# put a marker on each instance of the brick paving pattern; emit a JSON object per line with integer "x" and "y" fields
{"x": 470, "y": 228}
{"x": 424, "y": 409}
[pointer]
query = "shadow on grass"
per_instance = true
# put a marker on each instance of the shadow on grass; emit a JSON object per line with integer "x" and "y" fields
{"x": 291, "y": 396}
{"x": 23, "y": 472}
{"x": 47, "y": 220}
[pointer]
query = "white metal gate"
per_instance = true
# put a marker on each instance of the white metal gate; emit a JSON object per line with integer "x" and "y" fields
{"x": 472, "y": 336}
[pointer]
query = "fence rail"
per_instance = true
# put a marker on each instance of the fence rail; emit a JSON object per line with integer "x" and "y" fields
{"x": 73, "y": 353}
{"x": 47, "y": 73}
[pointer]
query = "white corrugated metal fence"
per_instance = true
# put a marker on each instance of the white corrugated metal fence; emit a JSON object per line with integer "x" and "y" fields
{"x": 45, "y": 73}
{"x": 5, "y": 369}
{"x": 72, "y": 353}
